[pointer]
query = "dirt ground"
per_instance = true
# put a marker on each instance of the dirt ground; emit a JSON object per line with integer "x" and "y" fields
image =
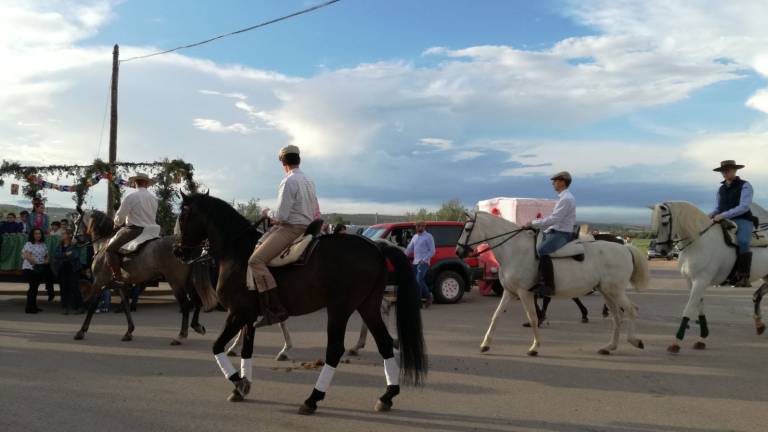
{"x": 49, "y": 382}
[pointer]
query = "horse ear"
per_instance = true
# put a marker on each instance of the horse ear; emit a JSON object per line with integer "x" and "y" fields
{"x": 208, "y": 192}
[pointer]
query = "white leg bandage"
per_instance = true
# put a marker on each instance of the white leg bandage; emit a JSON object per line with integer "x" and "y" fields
{"x": 392, "y": 371}
{"x": 226, "y": 366}
{"x": 246, "y": 369}
{"x": 324, "y": 380}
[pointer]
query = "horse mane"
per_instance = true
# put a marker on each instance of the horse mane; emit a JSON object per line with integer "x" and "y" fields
{"x": 100, "y": 225}
{"x": 688, "y": 220}
{"x": 229, "y": 222}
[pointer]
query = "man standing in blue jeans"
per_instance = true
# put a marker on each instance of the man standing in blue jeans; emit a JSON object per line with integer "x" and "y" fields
{"x": 559, "y": 231}
{"x": 422, "y": 249}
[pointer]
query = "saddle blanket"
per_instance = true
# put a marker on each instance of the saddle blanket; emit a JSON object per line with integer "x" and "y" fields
{"x": 295, "y": 252}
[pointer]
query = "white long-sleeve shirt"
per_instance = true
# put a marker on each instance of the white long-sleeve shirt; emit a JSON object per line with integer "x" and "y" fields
{"x": 138, "y": 209}
{"x": 563, "y": 217}
{"x": 296, "y": 200}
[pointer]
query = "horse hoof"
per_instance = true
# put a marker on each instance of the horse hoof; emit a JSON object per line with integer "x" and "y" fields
{"x": 128, "y": 337}
{"x": 382, "y": 406}
{"x": 533, "y": 353}
{"x": 760, "y": 329}
{"x": 699, "y": 345}
{"x": 673, "y": 349}
{"x": 639, "y": 345}
{"x": 584, "y": 320}
{"x": 235, "y": 396}
{"x": 485, "y": 349}
{"x": 305, "y": 409}
{"x": 231, "y": 354}
{"x": 282, "y": 357}
{"x": 200, "y": 329}
{"x": 527, "y": 325}
{"x": 80, "y": 335}
{"x": 603, "y": 351}
{"x": 175, "y": 342}
{"x": 353, "y": 353}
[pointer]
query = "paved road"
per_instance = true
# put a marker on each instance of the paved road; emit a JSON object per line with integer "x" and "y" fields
{"x": 48, "y": 382}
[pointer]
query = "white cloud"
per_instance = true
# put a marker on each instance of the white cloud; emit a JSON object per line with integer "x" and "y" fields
{"x": 216, "y": 126}
{"x": 439, "y": 144}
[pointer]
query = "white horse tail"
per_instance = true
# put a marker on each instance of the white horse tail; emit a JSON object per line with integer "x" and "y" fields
{"x": 640, "y": 274}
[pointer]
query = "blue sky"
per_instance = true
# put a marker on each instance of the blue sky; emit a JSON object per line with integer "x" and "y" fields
{"x": 400, "y": 104}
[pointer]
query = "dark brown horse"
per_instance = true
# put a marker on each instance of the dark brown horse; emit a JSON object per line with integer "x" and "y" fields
{"x": 191, "y": 284}
{"x": 344, "y": 274}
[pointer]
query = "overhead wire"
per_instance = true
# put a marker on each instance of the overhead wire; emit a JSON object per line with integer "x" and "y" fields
{"x": 266, "y": 23}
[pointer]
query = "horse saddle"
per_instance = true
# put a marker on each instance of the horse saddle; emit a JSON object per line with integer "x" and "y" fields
{"x": 151, "y": 232}
{"x": 297, "y": 253}
{"x": 759, "y": 237}
{"x": 573, "y": 249}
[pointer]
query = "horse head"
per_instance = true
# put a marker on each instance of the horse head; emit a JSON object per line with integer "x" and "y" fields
{"x": 675, "y": 222}
{"x": 191, "y": 226}
{"x": 463, "y": 246}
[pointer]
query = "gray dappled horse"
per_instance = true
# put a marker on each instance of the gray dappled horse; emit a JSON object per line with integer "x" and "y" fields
{"x": 154, "y": 260}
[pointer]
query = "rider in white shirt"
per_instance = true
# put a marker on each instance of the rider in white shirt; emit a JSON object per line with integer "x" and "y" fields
{"x": 137, "y": 211}
{"x": 558, "y": 232}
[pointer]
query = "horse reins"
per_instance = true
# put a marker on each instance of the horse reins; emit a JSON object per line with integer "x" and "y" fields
{"x": 509, "y": 236}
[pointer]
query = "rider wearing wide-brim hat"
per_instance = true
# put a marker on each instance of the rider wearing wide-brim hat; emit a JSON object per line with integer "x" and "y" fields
{"x": 137, "y": 211}
{"x": 733, "y": 200}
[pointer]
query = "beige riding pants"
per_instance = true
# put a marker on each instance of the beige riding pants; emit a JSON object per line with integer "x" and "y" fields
{"x": 275, "y": 241}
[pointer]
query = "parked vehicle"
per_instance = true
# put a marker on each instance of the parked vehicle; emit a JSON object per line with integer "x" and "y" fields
{"x": 449, "y": 276}
{"x": 654, "y": 254}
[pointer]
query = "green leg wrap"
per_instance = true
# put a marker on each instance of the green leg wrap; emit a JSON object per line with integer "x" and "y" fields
{"x": 703, "y": 325}
{"x": 683, "y": 325}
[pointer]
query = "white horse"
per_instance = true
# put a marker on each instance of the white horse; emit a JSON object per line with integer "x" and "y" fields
{"x": 705, "y": 259}
{"x": 608, "y": 267}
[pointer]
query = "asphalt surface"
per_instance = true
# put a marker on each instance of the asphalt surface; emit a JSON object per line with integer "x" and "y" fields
{"x": 49, "y": 382}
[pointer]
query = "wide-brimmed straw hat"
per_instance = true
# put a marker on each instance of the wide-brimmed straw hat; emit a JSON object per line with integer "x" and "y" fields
{"x": 141, "y": 176}
{"x": 726, "y": 164}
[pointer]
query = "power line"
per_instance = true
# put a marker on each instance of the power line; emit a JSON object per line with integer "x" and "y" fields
{"x": 266, "y": 23}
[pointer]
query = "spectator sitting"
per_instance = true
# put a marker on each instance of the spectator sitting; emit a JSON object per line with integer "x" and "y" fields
{"x": 24, "y": 221}
{"x": 10, "y": 226}
{"x": 67, "y": 268}
{"x": 65, "y": 224}
{"x": 35, "y": 267}
{"x": 56, "y": 228}
{"x": 38, "y": 219}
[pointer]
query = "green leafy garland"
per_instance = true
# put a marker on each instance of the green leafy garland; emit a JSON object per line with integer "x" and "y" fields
{"x": 168, "y": 173}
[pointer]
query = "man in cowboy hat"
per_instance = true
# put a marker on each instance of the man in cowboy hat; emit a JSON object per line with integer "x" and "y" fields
{"x": 733, "y": 200}
{"x": 558, "y": 231}
{"x": 137, "y": 211}
{"x": 296, "y": 208}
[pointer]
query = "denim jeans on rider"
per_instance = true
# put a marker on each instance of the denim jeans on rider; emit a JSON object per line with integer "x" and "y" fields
{"x": 421, "y": 270}
{"x": 744, "y": 234}
{"x": 553, "y": 240}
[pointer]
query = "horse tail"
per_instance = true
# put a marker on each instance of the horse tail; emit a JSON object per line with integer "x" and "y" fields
{"x": 640, "y": 274}
{"x": 413, "y": 355}
{"x": 200, "y": 276}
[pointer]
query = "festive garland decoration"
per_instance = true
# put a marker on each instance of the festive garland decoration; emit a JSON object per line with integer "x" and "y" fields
{"x": 166, "y": 174}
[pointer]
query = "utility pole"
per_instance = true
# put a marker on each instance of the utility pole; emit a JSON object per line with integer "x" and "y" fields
{"x": 111, "y": 192}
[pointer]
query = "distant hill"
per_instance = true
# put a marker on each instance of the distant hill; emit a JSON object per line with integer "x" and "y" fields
{"x": 54, "y": 213}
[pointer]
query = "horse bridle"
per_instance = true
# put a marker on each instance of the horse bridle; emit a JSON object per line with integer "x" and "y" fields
{"x": 672, "y": 242}
{"x": 469, "y": 246}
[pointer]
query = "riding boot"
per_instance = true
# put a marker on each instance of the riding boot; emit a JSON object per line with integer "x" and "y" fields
{"x": 115, "y": 265}
{"x": 272, "y": 309}
{"x": 743, "y": 270}
{"x": 546, "y": 284}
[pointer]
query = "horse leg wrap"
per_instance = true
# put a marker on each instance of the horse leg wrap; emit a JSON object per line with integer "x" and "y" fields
{"x": 704, "y": 327}
{"x": 325, "y": 378}
{"x": 392, "y": 372}
{"x": 683, "y": 326}
{"x": 225, "y": 365}
{"x": 246, "y": 369}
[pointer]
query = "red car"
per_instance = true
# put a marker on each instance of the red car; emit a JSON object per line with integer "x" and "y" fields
{"x": 449, "y": 276}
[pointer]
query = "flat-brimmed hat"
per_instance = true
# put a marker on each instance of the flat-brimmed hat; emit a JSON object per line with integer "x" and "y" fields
{"x": 726, "y": 164}
{"x": 562, "y": 175}
{"x": 289, "y": 149}
{"x": 141, "y": 176}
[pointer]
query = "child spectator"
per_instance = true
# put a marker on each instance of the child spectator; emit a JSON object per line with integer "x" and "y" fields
{"x": 56, "y": 229}
{"x": 35, "y": 267}
{"x": 67, "y": 267}
{"x": 24, "y": 220}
